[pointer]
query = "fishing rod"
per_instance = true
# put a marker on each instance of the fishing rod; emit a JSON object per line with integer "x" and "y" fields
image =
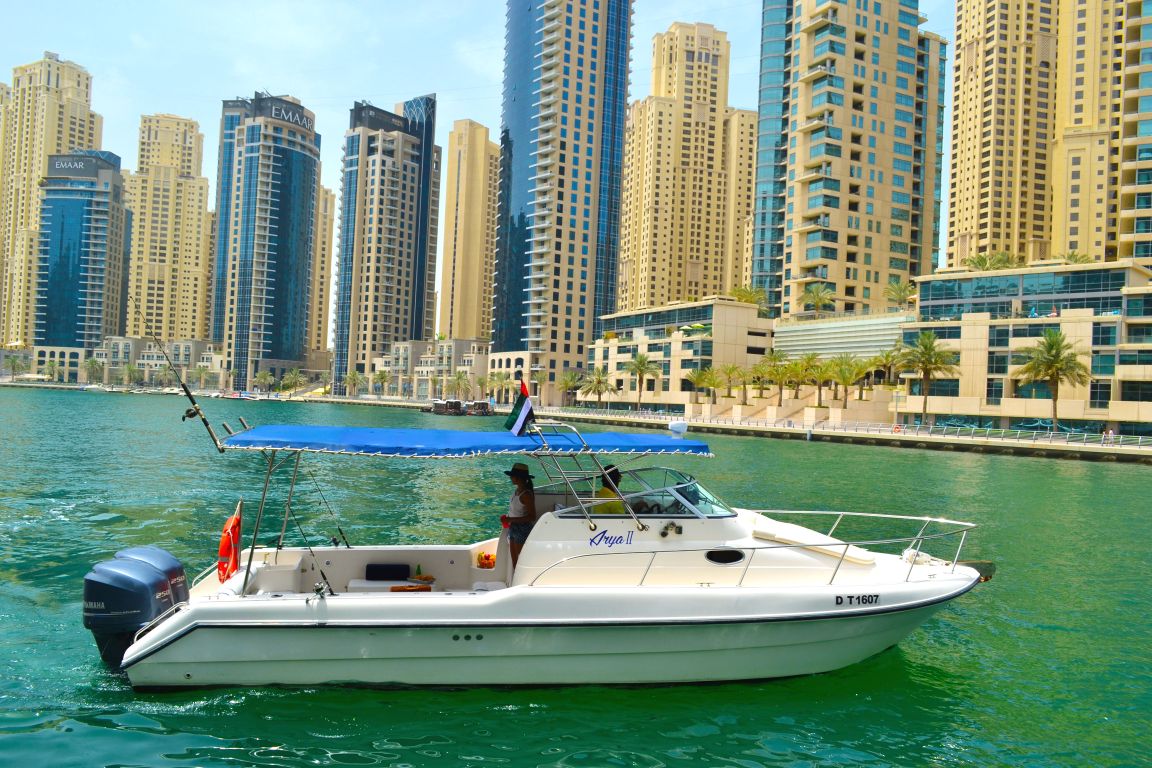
{"x": 194, "y": 411}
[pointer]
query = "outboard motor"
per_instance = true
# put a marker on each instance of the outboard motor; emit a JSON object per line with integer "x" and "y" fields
{"x": 123, "y": 595}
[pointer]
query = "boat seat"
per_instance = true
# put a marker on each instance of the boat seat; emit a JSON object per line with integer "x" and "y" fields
{"x": 814, "y": 541}
{"x": 376, "y": 585}
{"x": 387, "y": 571}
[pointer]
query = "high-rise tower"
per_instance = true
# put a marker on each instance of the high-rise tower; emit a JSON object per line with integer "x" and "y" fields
{"x": 270, "y": 172}
{"x": 471, "y": 185}
{"x": 561, "y": 150}
{"x": 48, "y": 111}
{"x": 170, "y": 272}
{"x": 687, "y": 160}
{"x": 386, "y": 275}
{"x": 319, "y": 303}
{"x": 849, "y": 161}
{"x": 81, "y": 280}
{"x": 1003, "y": 116}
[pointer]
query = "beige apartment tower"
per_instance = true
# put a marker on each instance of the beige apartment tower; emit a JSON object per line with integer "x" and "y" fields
{"x": 1003, "y": 123}
{"x": 319, "y": 310}
{"x": 47, "y": 111}
{"x": 863, "y": 156}
{"x": 471, "y": 191}
{"x": 386, "y": 273}
{"x": 1052, "y": 130}
{"x": 687, "y": 176}
{"x": 170, "y": 267}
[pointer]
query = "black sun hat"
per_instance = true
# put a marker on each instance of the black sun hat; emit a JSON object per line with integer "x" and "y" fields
{"x": 519, "y": 469}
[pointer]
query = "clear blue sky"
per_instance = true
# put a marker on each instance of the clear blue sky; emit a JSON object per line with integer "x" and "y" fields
{"x": 185, "y": 58}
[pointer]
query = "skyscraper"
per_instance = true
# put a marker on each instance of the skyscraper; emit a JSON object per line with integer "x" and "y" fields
{"x": 687, "y": 176}
{"x": 270, "y": 171}
{"x": 561, "y": 149}
{"x": 170, "y": 273}
{"x": 471, "y": 186}
{"x": 47, "y": 111}
{"x": 1003, "y": 119}
{"x": 849, "y": 161}
{"x": 81, "y": 278}
{"x": 386, "y": 276}
{"x": 319, "y": 306}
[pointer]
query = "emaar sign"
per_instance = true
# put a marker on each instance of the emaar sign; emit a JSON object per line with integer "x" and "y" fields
{"x": 71, "y": 165}
{"x": 281, "y": 111}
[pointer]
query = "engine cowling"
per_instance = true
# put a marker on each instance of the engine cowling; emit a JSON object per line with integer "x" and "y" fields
{"x": 122, "y": 595}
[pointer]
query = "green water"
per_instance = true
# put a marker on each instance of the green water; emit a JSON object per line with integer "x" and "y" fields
{"x": 1047, "y": 665}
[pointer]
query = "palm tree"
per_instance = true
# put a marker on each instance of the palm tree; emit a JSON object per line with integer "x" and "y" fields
{"x": 764, "y": 371}
{"x": 264, "y": 380}
{"x": 325, "y": 379}
{"x": 353, "y": 380}
{"x": 131, "y": 374}
{"x": 899, "y": 293}
{"x": 568, "y": 381}
{"x": 983, "y": 262}
{"x": 929, "y": 360}
{"x": 1054, "y": 360}
{"x": 697, "y": 378}
{"x": 382, "y": 378}
{"x": 51, "y": 369}
{"x": 201, "y": 373}
{"x": 642, "y": 368}
{"x": 807, "y": 371}
{"x": 93, "y": 369}
{"x": 888, "y": 360}
{"x": 710, "y": 380}
{"x": 750, "y": 295}
{"x": 597, "y": 382}
{"x": 292, "y": 381}
{"x": 540, "y": 378}
{"x": 16, "y": 366}
{"x": 793, "y": 375}
{"x": 482, "y": 386}
{"x": 461, "y": 385}
{"x": 499, "y": 382}
{"x": 846, "y": 369}
{"x": 734, "y": 375}
{"x": 819, "y": 296}
{"x": 1075, "y": 257}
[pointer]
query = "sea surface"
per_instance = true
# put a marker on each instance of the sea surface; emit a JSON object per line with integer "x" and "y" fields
{"x": 1049, "y": 664}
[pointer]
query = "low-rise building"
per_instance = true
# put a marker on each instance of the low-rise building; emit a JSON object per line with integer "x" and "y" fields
{"x": 680, "y": 337}
{"x": 989, "y": 318}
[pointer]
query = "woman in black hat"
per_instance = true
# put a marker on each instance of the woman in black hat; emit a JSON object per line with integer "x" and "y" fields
{"x": 521, "y": 509}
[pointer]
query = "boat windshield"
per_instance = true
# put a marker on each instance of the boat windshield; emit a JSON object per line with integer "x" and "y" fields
{"x": 650, "y": 491}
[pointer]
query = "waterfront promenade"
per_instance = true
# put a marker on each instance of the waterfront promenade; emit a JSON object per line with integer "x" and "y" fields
{"x": 1086, "y": 447}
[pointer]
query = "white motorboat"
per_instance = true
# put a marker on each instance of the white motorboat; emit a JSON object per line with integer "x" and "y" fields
{"x": 680, "y": 587}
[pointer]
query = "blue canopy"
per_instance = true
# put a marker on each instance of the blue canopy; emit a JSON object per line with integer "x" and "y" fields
{"x": 449, "y": 443}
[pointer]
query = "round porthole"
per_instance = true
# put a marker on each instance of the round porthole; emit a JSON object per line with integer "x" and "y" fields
{"x": 725, "y": 556}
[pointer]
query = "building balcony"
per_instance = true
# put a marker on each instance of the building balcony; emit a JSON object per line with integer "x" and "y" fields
{"x": 819, "y": 122}
{"x": 817, "y": 71}
{"x": 810, "y": 224}
{"x": 819, "y": 21}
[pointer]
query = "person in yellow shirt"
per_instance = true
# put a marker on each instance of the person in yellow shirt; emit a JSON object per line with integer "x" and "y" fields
{"x": 609, "y": 489}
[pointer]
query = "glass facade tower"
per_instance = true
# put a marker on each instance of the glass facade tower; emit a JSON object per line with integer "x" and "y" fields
{"x": 561, "y": 143}
{"x": 772, "y": 152}
{"x": 82, "y": 280}
{"x": 267, "y": 234}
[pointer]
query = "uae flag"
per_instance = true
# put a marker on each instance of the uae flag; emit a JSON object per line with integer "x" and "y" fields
{"x": 517, "y": 421}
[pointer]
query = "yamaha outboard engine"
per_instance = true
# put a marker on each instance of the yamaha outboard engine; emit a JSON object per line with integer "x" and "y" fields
{"x": 123, "y": 595}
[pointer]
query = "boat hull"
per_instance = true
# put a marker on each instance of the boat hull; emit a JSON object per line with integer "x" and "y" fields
{"x": 519, "y": 653}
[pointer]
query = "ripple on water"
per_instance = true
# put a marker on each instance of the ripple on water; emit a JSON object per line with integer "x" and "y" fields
{"x": 1031, "y": 669}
